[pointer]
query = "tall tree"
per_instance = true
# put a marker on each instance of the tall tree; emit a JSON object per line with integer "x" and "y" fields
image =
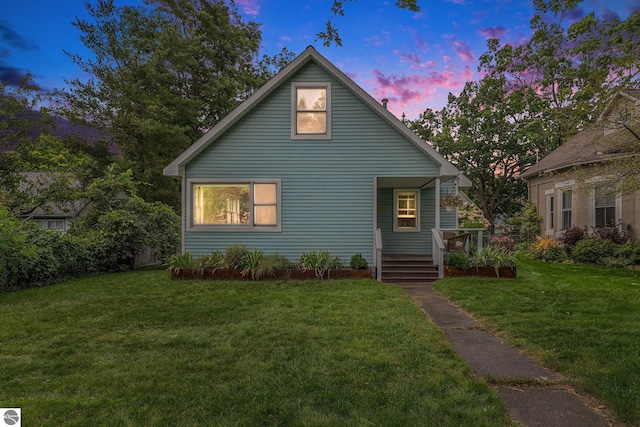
{"x": 332, "y": 34}
{"x": 571, "y": 70}
{"x": 486, "y": 132}
{"x": 162, "y": 74}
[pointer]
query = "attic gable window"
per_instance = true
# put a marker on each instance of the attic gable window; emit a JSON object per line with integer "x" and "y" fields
{"x": 311, "y": 111}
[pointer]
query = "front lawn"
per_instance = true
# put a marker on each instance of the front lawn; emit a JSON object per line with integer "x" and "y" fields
{"x": 139, "y": 349}
{"x": 581, "y": 320}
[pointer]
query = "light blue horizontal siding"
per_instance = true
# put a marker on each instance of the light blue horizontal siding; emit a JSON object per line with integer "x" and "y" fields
{"x": 418, "y": 243}
{"x": 448, "y": 219}
{"x": 327, "y": 186}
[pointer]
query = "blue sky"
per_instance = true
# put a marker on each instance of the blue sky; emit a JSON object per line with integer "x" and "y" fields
{"x": 414, "y": 59}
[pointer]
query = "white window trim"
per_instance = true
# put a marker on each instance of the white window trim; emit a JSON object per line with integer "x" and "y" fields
{"x": 250, "y": 227}
{"x": 592, "y": 208}
{"x": 294, "y": 109}
{"x": 550, "y": 231}
{"x": 395, "y": 210}
{"x": 561, "y": 224}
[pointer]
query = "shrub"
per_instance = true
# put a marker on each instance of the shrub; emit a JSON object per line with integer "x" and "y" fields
{"x": 457, "y": 260}
{"x": 526, "y": 223}
{"x": 572, "y": 236}
{"x": 358, "y": 262}
{"x": 504, "y": 242}
{"x": 470, "y": 216}
{"x": 236, "y": 256}
{"x": 547, "y": 249}
{"x": 278, "y": 262}
{"x": 593, "y": 250}
{"x": 631, "y": 250}
{"x": 616, "y": 234}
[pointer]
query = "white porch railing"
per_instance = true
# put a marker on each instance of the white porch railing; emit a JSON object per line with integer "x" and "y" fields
{"x": 477, "y": 235}
{"x": 438, "y": 251}
{"x": 378, "y": 243}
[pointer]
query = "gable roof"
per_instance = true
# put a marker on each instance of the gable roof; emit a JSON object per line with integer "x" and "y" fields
{"x": 591, "y": 145}
{"x": 176, "y": 167}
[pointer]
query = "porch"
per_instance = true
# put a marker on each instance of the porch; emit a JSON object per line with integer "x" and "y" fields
{"x": 428, "y": 267}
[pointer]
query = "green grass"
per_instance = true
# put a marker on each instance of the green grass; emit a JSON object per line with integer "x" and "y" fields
{"x": 581, "y": 320}
{"x": 138, "y": 349}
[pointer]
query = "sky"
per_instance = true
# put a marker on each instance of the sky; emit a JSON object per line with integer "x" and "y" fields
{"x": 413, "y": 59}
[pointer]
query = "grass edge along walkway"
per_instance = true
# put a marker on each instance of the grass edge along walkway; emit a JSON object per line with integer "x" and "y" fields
{"x": 580, "y": 320}
{"x": 139, "y": 349}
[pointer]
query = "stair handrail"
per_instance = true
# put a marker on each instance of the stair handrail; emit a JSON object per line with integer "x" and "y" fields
{"x": 378, "y": 243}
{"x": 438, "y": 251}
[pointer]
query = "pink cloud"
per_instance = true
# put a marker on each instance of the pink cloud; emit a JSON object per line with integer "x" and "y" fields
{"x": 286, "y": 38}
{"x": 493, "y": 32}
{"x": 249, "y": 7}
{"x": 461, "y": 48}
{"x": 416, "y": 87}
{"x": 412, "y": 58}
{"x": 375, "y": 40}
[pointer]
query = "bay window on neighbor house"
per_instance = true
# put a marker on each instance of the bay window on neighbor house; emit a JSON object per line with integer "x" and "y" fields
{"x": 231, "y": 206}
{"x": 407, "y": 210}
{"x": 567, "y": 207}
{"x": 311, "y": 111}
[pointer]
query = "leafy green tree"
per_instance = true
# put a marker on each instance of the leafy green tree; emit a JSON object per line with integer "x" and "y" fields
{"x": 120, "y": 225}
{"x": 26, "y": 144}
{"x": 570, "y": 71}
{"x": 21, "y": 120}
{"x": 485, "y": 132}
{"x": 161, "y": 75}
{"x": 332, "y": 34}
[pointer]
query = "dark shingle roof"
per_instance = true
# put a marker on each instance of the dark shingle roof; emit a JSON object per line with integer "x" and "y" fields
{"x": 594, "y": 144}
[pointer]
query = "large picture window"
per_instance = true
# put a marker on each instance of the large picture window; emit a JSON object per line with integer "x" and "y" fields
{"x": 407, "y": 210}
{"x": 311, "y": 111}
{"x": 233, "y": 206}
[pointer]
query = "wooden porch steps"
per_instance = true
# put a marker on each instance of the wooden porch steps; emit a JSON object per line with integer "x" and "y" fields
{"x": 408, "y": 269}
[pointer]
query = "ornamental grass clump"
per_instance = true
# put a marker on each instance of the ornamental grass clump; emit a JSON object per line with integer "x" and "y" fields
{"x": 320, "y": 262}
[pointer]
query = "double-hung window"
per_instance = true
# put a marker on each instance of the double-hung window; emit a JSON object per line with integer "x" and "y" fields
{"x": 605, "y": 208}
{"x": 222, "y": 205}
{"x": 311, "y": 111}
{"x": 407, "y": 210}
{"x": 567, "y": 207}
{"x": 551, "y": 209}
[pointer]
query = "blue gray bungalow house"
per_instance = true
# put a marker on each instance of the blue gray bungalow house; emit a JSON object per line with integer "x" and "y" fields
{"x": 312, "y": 162}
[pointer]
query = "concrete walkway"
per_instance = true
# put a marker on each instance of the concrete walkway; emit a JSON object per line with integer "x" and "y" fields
{"x": 534, "y": 395}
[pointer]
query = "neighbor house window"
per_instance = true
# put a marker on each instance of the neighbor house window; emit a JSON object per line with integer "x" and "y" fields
{"x": 235, "y": 206}
{"x": 551, "y": 208}
{"x": 605, "y": 209}
{"x": 311, "y": 111}
{"x": 407, "y": 210}
{"x": 51, "y": 224}
{"x": 567, "y": 207}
